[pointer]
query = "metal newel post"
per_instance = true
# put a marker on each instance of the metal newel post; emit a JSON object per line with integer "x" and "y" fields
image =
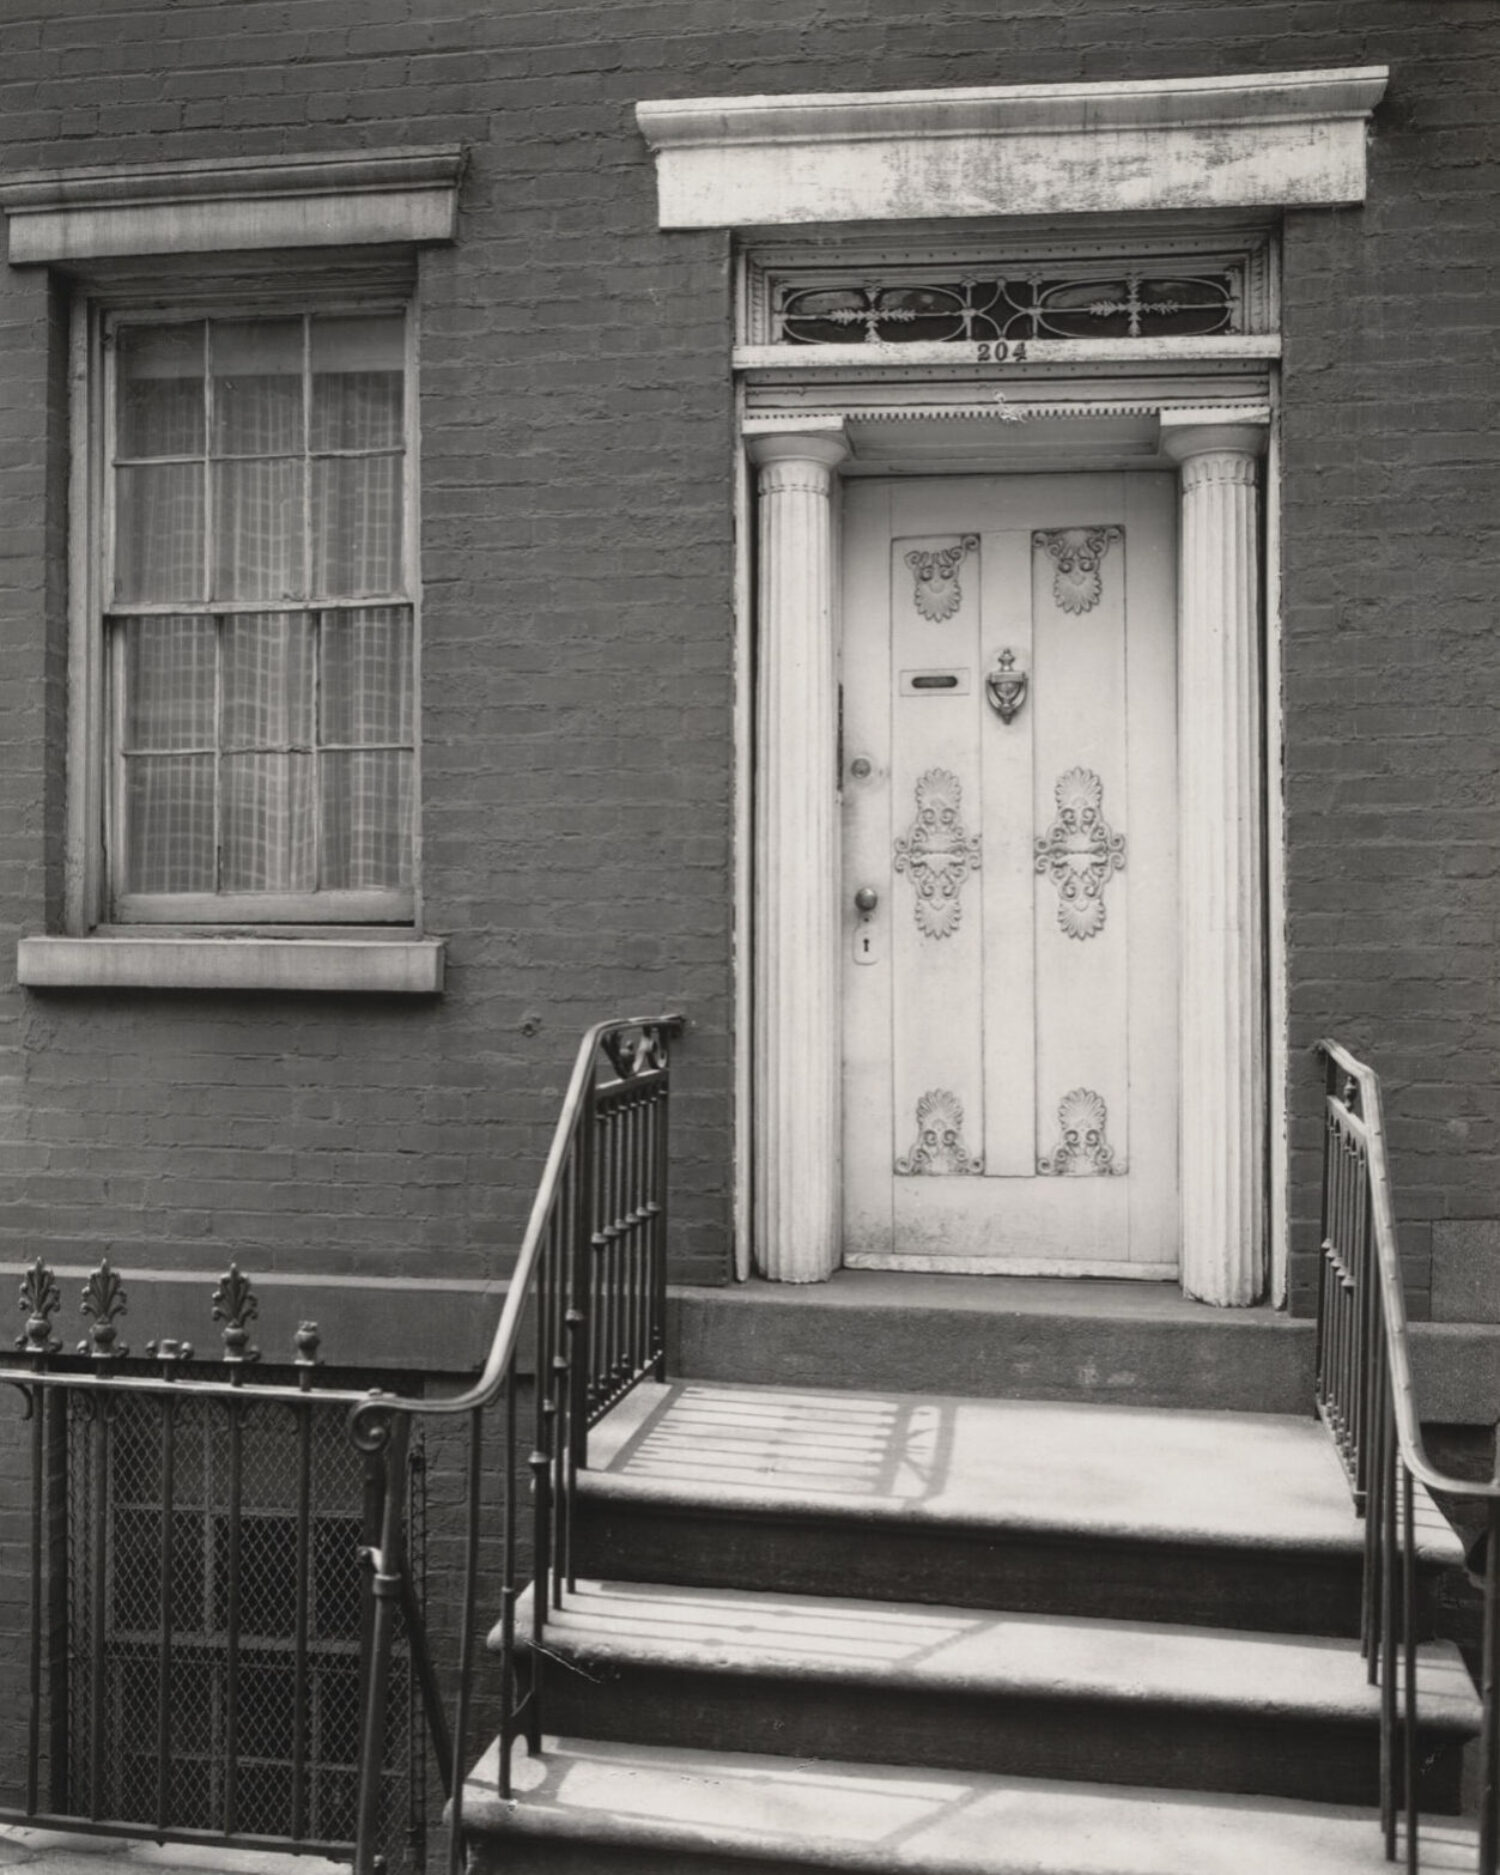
{"x": 580, "y": 1317}
{"x": 385, "y": 1584}
{"x": 1489, "y": 1786}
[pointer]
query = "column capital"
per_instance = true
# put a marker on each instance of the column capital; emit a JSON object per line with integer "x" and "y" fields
{"x": 1183, "y": 441}
{"x": 821, "y": 451}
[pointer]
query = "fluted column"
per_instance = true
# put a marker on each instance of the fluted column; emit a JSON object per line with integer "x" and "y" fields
{"x": 1220, "y": 772}
{"x": 796, "y": 1148}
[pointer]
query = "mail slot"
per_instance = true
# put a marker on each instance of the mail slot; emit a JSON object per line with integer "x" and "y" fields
{"x": 950, "y": 683}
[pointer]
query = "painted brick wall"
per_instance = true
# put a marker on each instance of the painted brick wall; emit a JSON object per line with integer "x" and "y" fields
{"x": 577, "y": 550}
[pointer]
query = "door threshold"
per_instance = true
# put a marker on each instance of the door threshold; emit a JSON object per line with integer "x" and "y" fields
{"x": 995, "y": 1293}
{"x": 1095, "y": 1267}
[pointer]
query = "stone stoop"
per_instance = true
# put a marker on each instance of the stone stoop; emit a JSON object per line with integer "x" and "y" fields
{"x": 873, "y": 1632}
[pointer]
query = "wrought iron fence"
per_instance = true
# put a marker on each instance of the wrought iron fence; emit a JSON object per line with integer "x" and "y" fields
{"x": 1366, "y": 1398}
{"x": 227, "y": 1636}
{"x": 196, "y": 1607}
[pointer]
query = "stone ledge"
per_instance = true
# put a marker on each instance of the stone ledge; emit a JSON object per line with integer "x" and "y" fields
{"x": 1257, "y": 140}
{"x": 368, "y": 966}
{"x": 335, "y": 199}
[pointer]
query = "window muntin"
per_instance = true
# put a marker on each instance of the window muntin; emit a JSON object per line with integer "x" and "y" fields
{"x": 260, "y": 628}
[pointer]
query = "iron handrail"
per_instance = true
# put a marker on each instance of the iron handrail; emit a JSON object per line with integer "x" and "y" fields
{"x": 506, "y": 1340}
{"x": 596, "y": 1233}
{"x": 1366, "y": 1396}
{"x": 1370, "y": 1123}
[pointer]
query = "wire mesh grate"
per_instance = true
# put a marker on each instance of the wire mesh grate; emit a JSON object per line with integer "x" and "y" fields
{"x": 217, "y": 1616}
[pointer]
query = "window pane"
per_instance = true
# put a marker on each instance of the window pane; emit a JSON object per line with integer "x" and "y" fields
{"x": 367, "y": 819}
{"x": 357, "y": 504}
{"x": 268, "y": 681}
{"x": 367, "y": 675}
{"x": 257, "y": 386}
{"x": 270, "y": 823}
{"x": 358, "y": 378}
{"x": 159, "y": 533}
{"x": 169, "y": 813}
{"x": 257, "y": 530}
{"x": 169, "y": 683}
{"x": 160, "y": 390}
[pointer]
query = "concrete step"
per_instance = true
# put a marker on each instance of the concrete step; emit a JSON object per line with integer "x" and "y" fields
{"x": 1024, "y": 1695}
{"x": 588, "y": 1808}
{"x": 1132, "y": 1343}
{"x": 1226, "y": 1519}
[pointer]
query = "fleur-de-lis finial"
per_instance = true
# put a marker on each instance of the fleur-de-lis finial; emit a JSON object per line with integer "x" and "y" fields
{"x": 40, "y": 1301}
{"x": 104, "y": 1303}
{"x": 236, "y": 1307}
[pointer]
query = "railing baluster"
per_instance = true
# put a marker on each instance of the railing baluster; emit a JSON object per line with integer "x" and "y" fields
{"x": 1409, "y": 1664}
{"x": 509, "y": 1590}
{"x": 99, "y": 1473}
{"x": 1388, "y": 1633}
{"x": 588, "y": 1326}
{"x": 36, "y": 1404}
{"x": 472, "y": 1484}
{"x": 1489, "y": 1772}
{"x": 164, "y": 1612}
{"x": 301, "y": 1616}
{"x": 232, "y": 1619}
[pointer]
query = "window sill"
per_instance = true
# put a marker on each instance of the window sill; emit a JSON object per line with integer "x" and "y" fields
{"x": 372, "y": 966}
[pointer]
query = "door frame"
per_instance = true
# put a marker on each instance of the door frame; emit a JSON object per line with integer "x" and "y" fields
{"x": 872, "y": 396}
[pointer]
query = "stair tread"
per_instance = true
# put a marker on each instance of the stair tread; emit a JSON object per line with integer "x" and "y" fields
{"x": 909, "y": 1647}
{"x": 1244, "y": 1480}
{"x": 882, "y": 1820}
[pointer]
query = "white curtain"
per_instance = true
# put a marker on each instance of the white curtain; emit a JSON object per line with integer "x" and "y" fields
{"x": 265, "y": 751}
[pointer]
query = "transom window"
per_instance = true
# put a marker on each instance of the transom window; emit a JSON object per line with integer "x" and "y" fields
{"x": 259, "y": 618}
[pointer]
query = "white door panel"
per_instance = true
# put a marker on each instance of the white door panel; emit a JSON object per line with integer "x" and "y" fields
{"x": 1010, "y": 1027}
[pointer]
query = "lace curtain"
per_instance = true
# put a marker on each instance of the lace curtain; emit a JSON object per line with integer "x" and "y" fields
{"x": 259, "y": 464}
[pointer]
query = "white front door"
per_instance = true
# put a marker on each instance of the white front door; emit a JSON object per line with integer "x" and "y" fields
{"x": 1009, "y": 873}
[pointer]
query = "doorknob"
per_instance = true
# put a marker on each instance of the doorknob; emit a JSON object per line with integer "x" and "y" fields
{"x": 865, "y": 900}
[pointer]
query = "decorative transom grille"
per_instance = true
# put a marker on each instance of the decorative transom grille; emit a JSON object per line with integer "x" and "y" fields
{"x": 1191, "y": 291}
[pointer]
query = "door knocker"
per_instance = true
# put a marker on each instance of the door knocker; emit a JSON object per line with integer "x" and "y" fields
{"x": 1006, "y": 687}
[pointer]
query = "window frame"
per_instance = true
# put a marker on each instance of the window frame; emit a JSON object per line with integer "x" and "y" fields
{"x": 96, "y": 902}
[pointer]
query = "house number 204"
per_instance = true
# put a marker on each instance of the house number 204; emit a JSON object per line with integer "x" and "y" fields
{"x": 1003, "y": 352}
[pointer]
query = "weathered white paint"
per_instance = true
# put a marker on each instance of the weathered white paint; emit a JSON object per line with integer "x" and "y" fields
{"x": 374, "y": 966}
{"x": 1278, "y": 1006}
{"x": 1220, "y": 883}
{"x": 339, "y": 199}
{"x": 1262, "y": 140}
{"x": 1004, "y": 1009}
{"x": 796, "y": 1225}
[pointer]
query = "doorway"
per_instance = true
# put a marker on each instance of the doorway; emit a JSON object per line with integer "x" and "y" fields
{"x": 1009, "y": 874}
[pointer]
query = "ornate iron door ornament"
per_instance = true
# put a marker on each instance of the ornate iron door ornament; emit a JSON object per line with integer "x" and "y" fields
{"x": 1006, "y": 687}
{"x": 1083, "y": 1151}
{"x": 938, "y": 853}
{"x": 937, "y": 594}
{"x": 939, "y": 1150}
{"x": 1079, "y": 851}
{"x": 1078, "y": 553}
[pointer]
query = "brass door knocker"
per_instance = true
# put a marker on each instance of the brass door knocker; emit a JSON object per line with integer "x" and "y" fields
{"x": 1006, "y": 687}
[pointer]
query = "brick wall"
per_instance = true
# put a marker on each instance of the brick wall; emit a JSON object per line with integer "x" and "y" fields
{"x": 577, "y": 558}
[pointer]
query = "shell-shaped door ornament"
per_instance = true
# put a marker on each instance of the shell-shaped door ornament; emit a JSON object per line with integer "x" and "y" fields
{"x": 1077, "y": 554}
{"x": 938, "y": 853}
{"x": 1083, "y": 1149}
{"x": 938, "y": 1151}
{"x": 937, "y": 594}
{"x": 1079, "y": 852}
